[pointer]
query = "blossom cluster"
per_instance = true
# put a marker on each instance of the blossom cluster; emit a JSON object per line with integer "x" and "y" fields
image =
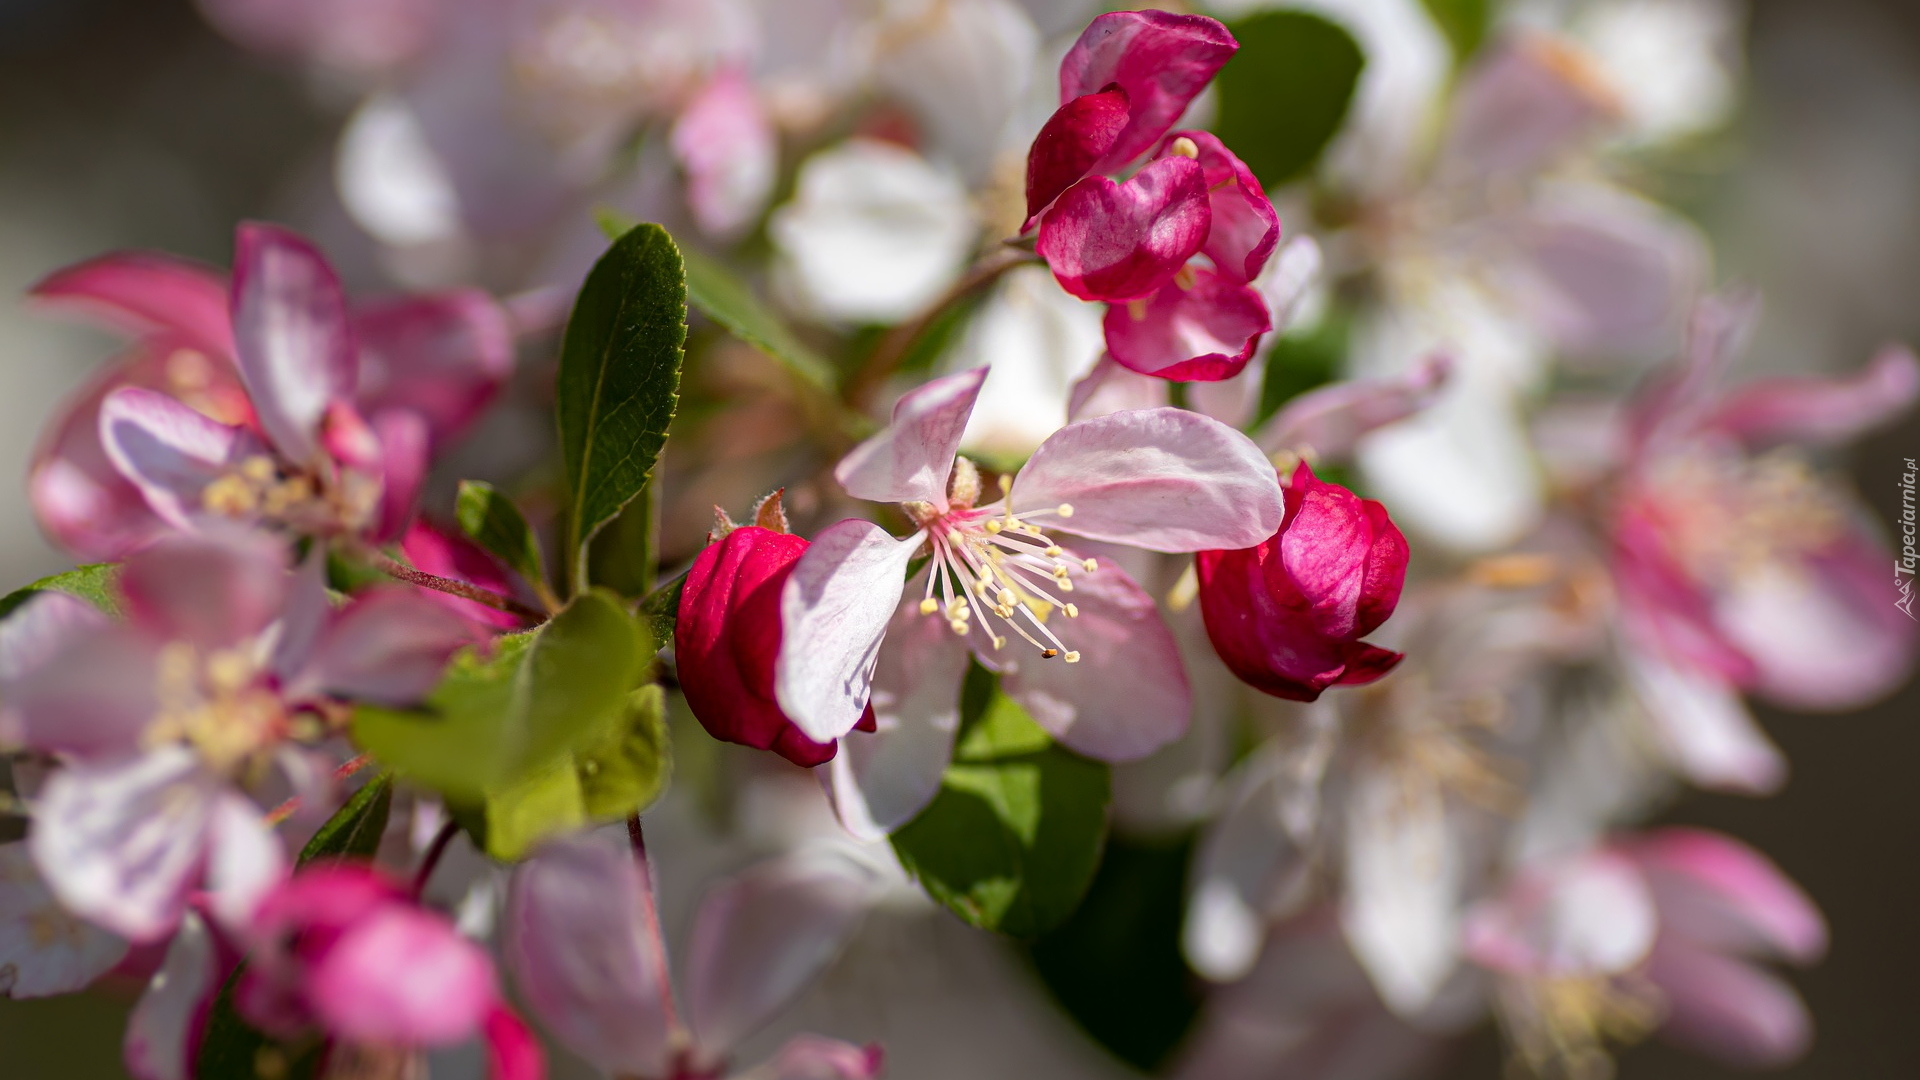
{"x": 349, "y": 768}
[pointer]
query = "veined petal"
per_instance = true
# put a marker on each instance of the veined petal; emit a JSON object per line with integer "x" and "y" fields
{"x": 1123, "y": 241}
{"x": 1072, "y": 141}
{"x": 576, "y": 940}
{"x": 1128, "y": 694}
{"x": 1330, "y": 420}
{"x": 121, "y": 843}
{"x": 1110, "y": 388}
{"x": 142, "y": 292}
{"x": 761, "y": 937}
{"x": 388, "y": 646}
{"x": 833, "y": 612}
{"x": 291, "y": 334}
{"x": 43, "y": 950}
{"x": 910, "y": 460}
{"x": 1160, "y": 479}
{"x": 163, "y": 1031}
{"x": 442, "y": 357}
{"x": 1161, "y": 60}
{"x": 1245, "y": 227}
{"x": 881, "y": 779}
{"x": 215, "y": 589}
{"x": 170, "y": 452}
{"x": 1205, "y": 332}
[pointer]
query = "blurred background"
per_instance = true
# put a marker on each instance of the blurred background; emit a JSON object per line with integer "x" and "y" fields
{"x": 129, "y": 123}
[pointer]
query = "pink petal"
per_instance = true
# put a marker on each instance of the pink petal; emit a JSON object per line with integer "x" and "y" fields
{"x": 763, "y": 935}
{"x": 292, "y": 336}
{"x": 121, "y": 843}
{"x": 38, "y": 629}
{"x": 811, "y": 1057}
{"x": 1824, "y": 411}
{"x": 305, "y": 614}
{"x": 403, "y": 440}
{"x": 1161, "y": 60}
{"x": 727, "y": 146}
{"x": 1331, "y": 419}
{"x": 170, "y": 452}
{"x": 92, "y": 698}
{"x": 833, "y": 612}
{"x": 215, "y": 589}
{"x": 1719, "y": 893}
{"x": 445, "y": 554}
{"x": 1160, "y": 479}
{"x": 1729, "y": 1010}
{"x": 1120, "y": 242}
{"x": 1128, "y": 695}
{"x": 43, "y": 950}
{"x": 403, "y": 976}
{"x": 513, "y": 1051}
{"x": 388, "y": 646}
{"x": 909, "y": 461}
{"x": 1591, "y": 914}
{"x": 576, "y": 938}
{"x": 1524, "y": 103}
{"x": 1070, "y": 144}
{"x": 1202, "y": 333}
{"x": 146, "y": 293}
{"x": 1334, "y": 546}
{"x": 245, "y": 861}
{"x": 163, "y": 1034}
{"x": 1245, "y": 227}
{"x": 443, "y": 357}
{"x": 1704, "y": 727}
{"x": 1109, "y": 388}
{"x": 880, "y": 780}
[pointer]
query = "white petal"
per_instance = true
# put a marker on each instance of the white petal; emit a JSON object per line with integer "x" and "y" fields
{"x": 1704, "y": 727}
{"x": 1038, "y": 340}
{"x": 1401, "y": 909}
{"x": 833, "y": 615}
{"x": 43, "y": 949}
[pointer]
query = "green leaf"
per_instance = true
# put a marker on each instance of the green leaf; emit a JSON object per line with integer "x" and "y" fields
{"x": 1283, "y": 95}
{"x": 1012, "y": 840}
{"x": 661, "y": 609}
{"x": 1464, "y": 22}
{"x": 621, "y": 557}
{"x": 619, "y": 380}
{"x": 727, "y": 300}
{"x": 354, "y": 831}
{"x": 491, "y": 520}
{"x": 96, "y": 583}
{"x": 497, "y": 719}
{"x": 620, "y": 775}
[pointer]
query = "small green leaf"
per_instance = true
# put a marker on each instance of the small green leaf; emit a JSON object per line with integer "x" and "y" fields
{"x": 626, "y": 772}
{"x": 727, "y": 300}
{"x": 1284, "y": 94}
{"x": 96, "y": 583}
{"x": 354, "y": 831}
{"x": 661, "y": 609}
{"x": 1464, "y": 22}
{"x": 537, "y": 806}
{"x": 621, "y": 556}
{"x": 1012, "y": 840}
{"x": 497, "y": 719}
{"x": 491, "y": 520}
{"x": 619, "y": 381}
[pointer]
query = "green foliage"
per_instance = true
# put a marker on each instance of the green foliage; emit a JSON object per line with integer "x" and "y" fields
{"x": 1116, "y": 965}
{"x": 1464, "y": 22}
{"x": 354, "y": 831}
{"x": 1011, "y": 841}
{"x": 619, "y": 381}
{"x": 499, "y": 719}
{"x": 491, "y": 520}
{"x": 96, "y": 583}
{"x": 621, "y": 774}
{"x": 1283, "y": 96}
{"x": 727, "y": 300}
{"x": 661, "y": 609}
{"x": 1299, "y": 362}
{"x": 621, "y": 557}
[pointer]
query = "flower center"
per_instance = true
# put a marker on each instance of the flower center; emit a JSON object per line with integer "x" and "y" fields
{"x": 217, "y": 704}
{"x": 999, "y": 564}
{"x": 257, "y": 488}
{"x": 1560, "y": 1027}
{"x": 1728, "y": 518}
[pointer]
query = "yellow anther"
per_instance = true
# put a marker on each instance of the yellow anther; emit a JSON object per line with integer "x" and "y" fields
{"x": 1184, "y": 147}
{"x": 1073, "y": 611}
{"x": 993, "y": 526}
{"x": 1066, "y": 585}
{"x": 230, "y": 496}
{"x": 1073, "y": 658}
{"x": 1048, "y": 654}
{"x": 959, "y": 626}
{"x": 929, "y": 606}
{"x": 228, "y": 670}
{"x": 1005, "y": 611}
{"x": 257, "y": 468}
{"x": 1006, "y": 483}
{"x": 1065, "y": 510}
{"x": 1055, "y": 551}
{"x": 999, "y": 643}
{"x": 1089, "y": 565}
{"x": 1060, "y": 572}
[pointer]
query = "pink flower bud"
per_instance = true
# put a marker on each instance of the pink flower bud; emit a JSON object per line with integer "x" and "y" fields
{"x": 728, "y": 637}
{"x": 1286, "y": 616}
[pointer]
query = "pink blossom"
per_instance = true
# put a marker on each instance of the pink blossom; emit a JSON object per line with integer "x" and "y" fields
{"x": 225, "y": 665}
{"x": 1161, "y": 60}
{"x": 342, "y": 948}
{"x": 1690, "y": 915}
{"x": 1738, "y": 567}
{"x": 1287, "y": 615}
{"x": 1090, "y": 658}
{"x": 1123, "y": 241}
{"x": 582, "y": 941}
{"x": 272, "y": 403}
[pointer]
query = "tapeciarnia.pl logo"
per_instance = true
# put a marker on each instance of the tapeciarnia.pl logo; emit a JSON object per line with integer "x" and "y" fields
{"x": 1903, "y": 567}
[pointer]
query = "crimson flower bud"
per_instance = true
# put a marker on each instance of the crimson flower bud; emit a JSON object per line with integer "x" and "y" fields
{"x": 728, "y": 636}
{"x": 1287, "y": 616}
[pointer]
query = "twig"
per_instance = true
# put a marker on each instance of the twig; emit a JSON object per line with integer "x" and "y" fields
{"x": 432, "y": 859}
{"x": 464, "y": 590}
